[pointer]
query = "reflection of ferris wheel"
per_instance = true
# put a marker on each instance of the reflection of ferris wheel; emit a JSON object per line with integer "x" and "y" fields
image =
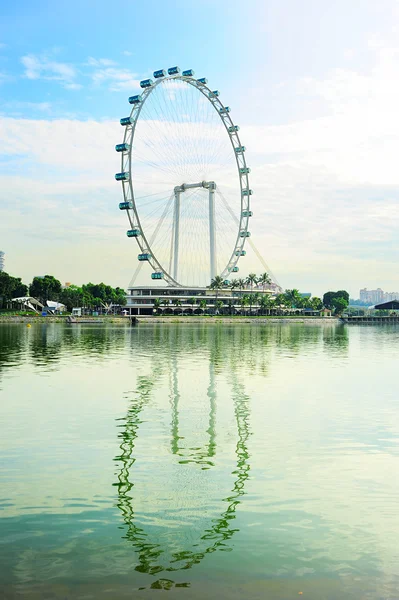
{"x": 185, "y": 180}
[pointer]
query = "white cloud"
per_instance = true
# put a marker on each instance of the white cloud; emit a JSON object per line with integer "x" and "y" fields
{"x": 42, "y": 67}
{"x": 116, "y": 79}
{"x": 100, "y": 62}
{"x": 127, "y": 53}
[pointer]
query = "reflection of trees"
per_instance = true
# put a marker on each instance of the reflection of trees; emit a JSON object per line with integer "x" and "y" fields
{"x": 219, "y": 533}
{"x": 13, "y": 343}
{"x": 336, "y": 339}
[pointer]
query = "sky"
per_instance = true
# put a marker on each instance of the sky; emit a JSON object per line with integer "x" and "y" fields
{"x": 313, "y": 85}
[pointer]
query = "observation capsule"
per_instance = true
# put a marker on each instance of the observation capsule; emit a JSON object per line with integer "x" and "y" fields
{"x": 247, "y": 192}
{"x": 173, "y": 70}
{"x": 224, "y": 110}
{"x": 245, "y": 234}
{"x": 239, "y": 149}
{"x": 188, "y": 73}
{"x": 124, "y": 176}
{"x": 203, "y": 80}
{"x": 133, "y": 233}
{"x": 160, "y": 73}
{"x": 144, "y": 256}
{"x": 135, "y": 99}
{"x": 126, "y": 121}
{"x": 226, "y": 282}
{"x": 247, "y": 213}
{"x": 235, "y": 269}
{"x": 245, "y": 170}
{"x": 125, "y": 205}
{"x": 214, "y": 93}
{"x": 122, "y": 147}
{"x": 234, "y": 128}
{"x": 146, "y": 83}
{"x": 157, "y": 275}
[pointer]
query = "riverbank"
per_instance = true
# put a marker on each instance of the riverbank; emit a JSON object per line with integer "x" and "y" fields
{"x": 149, "y": 320}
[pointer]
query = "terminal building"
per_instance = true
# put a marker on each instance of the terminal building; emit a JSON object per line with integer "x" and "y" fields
{"x": 146, "y": 300}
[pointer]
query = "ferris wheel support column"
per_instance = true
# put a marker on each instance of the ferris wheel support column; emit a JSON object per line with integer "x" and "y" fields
{"x": 176, "y": 233}
{"x": 212, "y": 253}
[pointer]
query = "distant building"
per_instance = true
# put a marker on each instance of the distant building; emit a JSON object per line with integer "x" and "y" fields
{"x": 1, "y": 261}
{"x": 377, "y": 296}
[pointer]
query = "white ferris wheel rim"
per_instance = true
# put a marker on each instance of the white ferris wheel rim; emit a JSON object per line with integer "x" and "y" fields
{"x": 243, "y": 175}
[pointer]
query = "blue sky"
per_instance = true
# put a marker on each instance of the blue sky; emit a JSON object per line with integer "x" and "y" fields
{"x": 313, "y": 86}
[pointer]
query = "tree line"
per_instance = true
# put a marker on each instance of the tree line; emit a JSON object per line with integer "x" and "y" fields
{"x": 90, "y": 295}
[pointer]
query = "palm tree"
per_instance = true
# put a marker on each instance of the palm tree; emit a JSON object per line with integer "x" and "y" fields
{"x": 264, "y": 279}
{"x": 177, "y": 302}
{"x": 252, "y": 280}
{"x": 280, "y": 300}
{"x": 241, "y": 283}
{"x": 293, "y": 298}
{"x": 244, "y": 301}
{"x": 203, "y": 304}
{"x": 157, "y": 304}
{"x": 218, "y": 305}
{"x": 253, "y": 299}
{"x": 192, "y": 301}
{"x": 235, "y": 283}
{"x": 216, "y": 284}
{"x": 265, "y": 302}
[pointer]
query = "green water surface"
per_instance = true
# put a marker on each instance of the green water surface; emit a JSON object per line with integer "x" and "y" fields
{"x": 201, "y": 461}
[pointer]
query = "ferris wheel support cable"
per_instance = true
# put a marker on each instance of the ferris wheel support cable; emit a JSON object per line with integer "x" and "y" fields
{"x": 138, "y": 269}
{"x": 252, "y": 244}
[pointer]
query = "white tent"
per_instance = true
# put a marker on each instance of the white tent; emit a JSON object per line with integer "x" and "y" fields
{"x": 55, "y": 306}
{"x": 29, "y": 303}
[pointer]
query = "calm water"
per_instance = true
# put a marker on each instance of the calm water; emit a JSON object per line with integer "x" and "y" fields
{"x": 212, "y": 461}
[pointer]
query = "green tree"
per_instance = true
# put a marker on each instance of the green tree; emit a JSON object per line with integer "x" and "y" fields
{"x": 203, "y": 305}
{"x": 218, "y": 306}
{"x": 157, "y": 305}
{"x": 45, "y": 288}
{"x": 264, "y": 280}
{"x": 241, "y": 283}
{"x": 71, "y": 296}
{"x": 265, "y": 303}
{"x": 252, "y": 280}
{"x": 193, "y": 302}
{"x": 339, "y": 304}
{"x": 177, "y": 303}
{"x": 244, "y": 302}
{"x": 217, "y": 284}
{"x": 330, "y": 296}
{"x": 253, "y": 300}
{"x": 293, "y": 298}
{"x": 316, "y": 303}
{"x": 11, "y": 287}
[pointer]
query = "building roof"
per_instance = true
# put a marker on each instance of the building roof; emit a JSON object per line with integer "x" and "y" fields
{"x": 29, "y": 302}
{"x": 391, "y": 305}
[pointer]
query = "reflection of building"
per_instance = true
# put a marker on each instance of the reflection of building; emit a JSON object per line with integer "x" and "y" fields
{"x": 141, "y": 299}
{"x": 1, "y": 261}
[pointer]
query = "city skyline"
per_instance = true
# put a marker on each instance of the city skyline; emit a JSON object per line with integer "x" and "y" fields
{"x": 317, "y": 113}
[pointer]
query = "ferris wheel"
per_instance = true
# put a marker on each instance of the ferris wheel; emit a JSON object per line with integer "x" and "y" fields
{"x": 185, "y": 180}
